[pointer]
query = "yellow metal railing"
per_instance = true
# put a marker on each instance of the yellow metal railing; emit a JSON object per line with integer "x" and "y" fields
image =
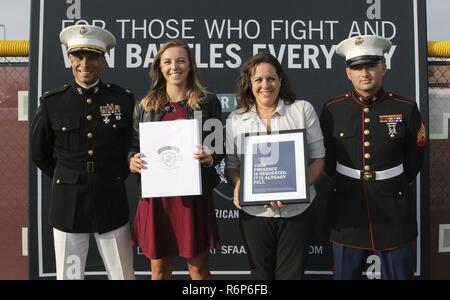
{"x": 14, "y": 48}
{"x": 439, "y": 49}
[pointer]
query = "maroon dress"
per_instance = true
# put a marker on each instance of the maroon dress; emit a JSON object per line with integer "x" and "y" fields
{"x": 175, "y": 226}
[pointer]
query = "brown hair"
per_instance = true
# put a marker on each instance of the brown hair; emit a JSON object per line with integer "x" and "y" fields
{"x": 244, "y": 94}
{"x": 156, "y": 97}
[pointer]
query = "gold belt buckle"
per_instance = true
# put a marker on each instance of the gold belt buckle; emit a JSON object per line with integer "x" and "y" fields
{"x": 90, "y": 167}
{"x": 368, "y": 176}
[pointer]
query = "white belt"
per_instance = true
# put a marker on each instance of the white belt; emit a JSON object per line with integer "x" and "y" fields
{"x": 369, "y": 175}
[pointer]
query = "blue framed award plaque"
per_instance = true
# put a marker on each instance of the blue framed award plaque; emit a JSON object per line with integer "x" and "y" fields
{"x": 274, "y": 168}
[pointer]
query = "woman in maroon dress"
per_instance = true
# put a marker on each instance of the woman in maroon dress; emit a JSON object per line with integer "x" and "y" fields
{"x": 185, "y": 225}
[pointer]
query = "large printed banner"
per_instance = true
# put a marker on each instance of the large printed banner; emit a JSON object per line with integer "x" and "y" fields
{"x": 223, "y": 33}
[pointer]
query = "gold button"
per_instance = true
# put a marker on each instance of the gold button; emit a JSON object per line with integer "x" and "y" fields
{"x": 114, "y": 126}
{"x": 366, "y": 144}
{"x": 91, "y": 152}
{"x": 367, "y": 168}
{"x": 64, "y": 128}
{"x": 58, "y": 181}
{"x": 390, "y": 94}
{"x": 366, "y": 132}
{"x": 341, "y": 134}
{"x": 367, "y": 155}
{"x": 367, "y": 120}
{"x": 89, "y": 101}
{"x": 90, "y": 135}
{"x": 89, "y": 117}
{"x": 366, "y": 109}
{"x": 392, "y": 135}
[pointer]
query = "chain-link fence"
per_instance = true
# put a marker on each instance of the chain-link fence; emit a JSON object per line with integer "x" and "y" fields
{"x": 439, "y": 109}
{"x": 439, "y": 106}
{"x": 13, "y": 161}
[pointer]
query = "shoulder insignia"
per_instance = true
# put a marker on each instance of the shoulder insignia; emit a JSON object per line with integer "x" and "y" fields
{"x": 399, "y": 98}
{"x": 55, "y": 91}
{"x": 338, "y": 99}
{"x": 118, "y": 89}
{"x": 346, "y": 95}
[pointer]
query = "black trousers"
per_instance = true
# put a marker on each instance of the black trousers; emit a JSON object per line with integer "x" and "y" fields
{"x": 277, "y": 247}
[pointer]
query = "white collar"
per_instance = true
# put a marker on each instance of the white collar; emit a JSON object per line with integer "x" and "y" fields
{"x": 88, "y": 86}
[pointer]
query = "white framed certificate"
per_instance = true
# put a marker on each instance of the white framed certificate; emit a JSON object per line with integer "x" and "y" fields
{"x": 168, "y": 148}
{"x": 274, "y": 168}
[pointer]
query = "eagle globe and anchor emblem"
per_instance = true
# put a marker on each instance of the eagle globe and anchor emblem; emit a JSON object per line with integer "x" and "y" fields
{"x": 168, "y": 156}
{"x": 359, "y": 41}
{"x": 84, "y": 30}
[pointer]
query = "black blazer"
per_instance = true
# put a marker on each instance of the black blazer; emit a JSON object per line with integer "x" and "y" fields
{"x": 80, "y": 139}
{"x": 211, "y": 109}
